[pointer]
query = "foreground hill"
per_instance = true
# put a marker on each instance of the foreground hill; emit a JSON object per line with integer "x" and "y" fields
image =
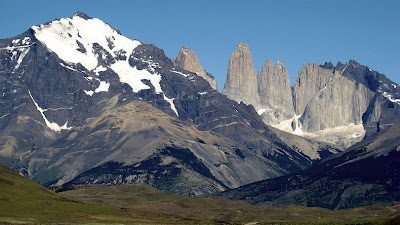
{"x": 25, "y": 202}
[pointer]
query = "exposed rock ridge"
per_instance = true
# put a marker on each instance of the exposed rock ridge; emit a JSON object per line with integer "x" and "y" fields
{"x": 187, "y": 60}
{"x": 241, "y": 83}
{"x": 275, "y": 92}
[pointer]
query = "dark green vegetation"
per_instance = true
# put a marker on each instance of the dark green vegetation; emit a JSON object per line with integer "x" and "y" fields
{"x": 25, "y": 202}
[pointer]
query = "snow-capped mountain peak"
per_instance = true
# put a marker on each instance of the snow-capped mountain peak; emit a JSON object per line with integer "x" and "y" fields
{"x": 76, "y": 39}
{"x": 98, "y": 47}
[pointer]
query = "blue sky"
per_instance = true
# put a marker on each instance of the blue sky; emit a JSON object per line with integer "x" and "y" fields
{"x": 295, "y": 32}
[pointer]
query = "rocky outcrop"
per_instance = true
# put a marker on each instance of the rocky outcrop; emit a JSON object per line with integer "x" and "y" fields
{"x": 241, "y": 83}
{"x": 187, "y": 60}
{"x": 270, "y": 92}
{"x": 341, "y": 102}
{"x": 275, "y": 93}
{"x": 328, "y": 96}
{"x": 311, "y": 79}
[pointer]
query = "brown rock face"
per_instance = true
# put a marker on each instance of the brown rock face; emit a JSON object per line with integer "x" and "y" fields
{"x": 187, "y": 60}
{"x": 241, "y": 83}
{"x": 275, "y": 92}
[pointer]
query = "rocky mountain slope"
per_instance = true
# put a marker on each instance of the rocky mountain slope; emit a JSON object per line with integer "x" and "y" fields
{"x": 365, "y": 174}
{"x": 137, "y": 143}
{"x": 68, "y": 86}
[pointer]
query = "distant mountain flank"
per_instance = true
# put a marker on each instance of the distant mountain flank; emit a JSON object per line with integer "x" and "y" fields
{"x": 327, "y": 103}
{"x": 365, "y": 174}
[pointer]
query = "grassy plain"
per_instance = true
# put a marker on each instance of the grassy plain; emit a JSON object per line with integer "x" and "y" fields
{"x": 25, "y": 202}
{"x": 145, "y": 198}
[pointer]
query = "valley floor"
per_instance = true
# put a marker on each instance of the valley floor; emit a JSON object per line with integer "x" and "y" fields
{"x": 143, "y": 198}
{"x": 24, "y": 202}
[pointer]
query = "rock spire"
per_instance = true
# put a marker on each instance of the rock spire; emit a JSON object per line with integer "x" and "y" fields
{"x": 187, "y": 60}
{"x": 275, "y": 92}
{"x": 241, "y": 83}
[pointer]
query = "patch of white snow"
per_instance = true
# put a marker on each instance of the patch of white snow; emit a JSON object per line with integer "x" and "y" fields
{"x": 62, "y": 37}
{"x": 104, "y": 86}
{"x": 23, "y": 53}
{"x": 171, "y": 102}
{"x": 1, "y": 117}
{"x": 68, "y": 67}
{"x": 261, "y": 111}
{"x": 389, "y": 96}
{"x": 52, "y": 125}
{"x": 26, "y": 41}
{"x": 185, "y": 75}
{"x": 15, "y": 41}
{"x": 286, "y": 126}
{"x": 133, "y": 77}
{"x": 90, "y": 93}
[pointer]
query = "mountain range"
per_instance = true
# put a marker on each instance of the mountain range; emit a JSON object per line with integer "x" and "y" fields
{"x": 83, "y": 104}
{"x": 332, "y": 104}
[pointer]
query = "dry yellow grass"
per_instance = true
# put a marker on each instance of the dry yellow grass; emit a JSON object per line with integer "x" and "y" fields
{"x": 145, "y": 198}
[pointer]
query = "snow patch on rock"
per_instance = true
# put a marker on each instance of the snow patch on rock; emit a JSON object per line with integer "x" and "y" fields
{"x": 72, "y": 39}
{"x": 180, "y": 73}
{"x": 261, "y": 111}
{"x": 90, "y": 93}
{"x": 389, "y": 96}
{"x": 52, "y": 125}
{"x": 340, "y": 136}
{"x": 18, "y": 50}
{"x": 103, "y": 87}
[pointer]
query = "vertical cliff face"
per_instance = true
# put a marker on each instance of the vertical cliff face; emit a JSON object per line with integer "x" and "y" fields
{"x": 311, "y": 79}
{"x": 187, "y": 60}
{"x": 330, "y": 96}
{"x": 241, "y": 83}
{"x": 275, "y": 93}
{"x": 339, "y": 103}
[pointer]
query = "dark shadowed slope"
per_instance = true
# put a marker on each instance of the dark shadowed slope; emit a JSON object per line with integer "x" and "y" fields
{"x": 366, "y": 174}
